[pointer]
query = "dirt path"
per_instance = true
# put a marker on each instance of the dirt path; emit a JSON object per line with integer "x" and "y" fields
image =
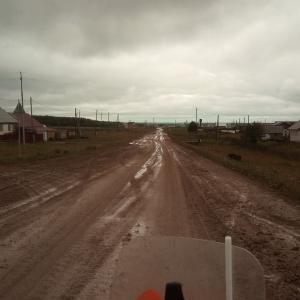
{"x": 63, "y": 225}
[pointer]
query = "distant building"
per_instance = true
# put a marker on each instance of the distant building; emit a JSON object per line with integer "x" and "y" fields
{"x": 286, "y": 125}
{"x": 209, "y": 125}
{"x": 71, "y": 133}
{"x": 130, "y": 125}
{"x": 8, "y": 125}
{"x": 34, "y": 130}
{"x": 51, "y": 134}
{"x": 272, "y": 132}
{"x": 295, "y": 132}
{"x": 61, "y": 134}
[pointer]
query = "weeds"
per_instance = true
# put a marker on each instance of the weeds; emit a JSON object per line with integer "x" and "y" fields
{"x": 105, "y": 140}
{"x": 274, "y": 164}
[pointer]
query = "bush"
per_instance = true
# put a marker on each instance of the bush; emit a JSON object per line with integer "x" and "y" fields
{"x": 193, "y": 127}
{"x": 252, "y": 133}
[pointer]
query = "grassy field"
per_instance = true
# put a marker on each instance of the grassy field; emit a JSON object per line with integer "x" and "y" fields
{"x": 105, "y": 140}
{"x": 272, "y": 163}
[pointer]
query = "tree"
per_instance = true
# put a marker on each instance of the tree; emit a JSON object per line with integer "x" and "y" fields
{"x": 193, "y": 127}
{"x": 253, "y": 133}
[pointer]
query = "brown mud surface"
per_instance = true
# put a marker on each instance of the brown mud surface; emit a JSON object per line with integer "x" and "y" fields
{"x": 64, "y": 221}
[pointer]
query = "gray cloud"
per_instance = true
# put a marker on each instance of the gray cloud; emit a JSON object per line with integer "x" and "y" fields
{"x": 90, "y": 27}
{"x": 144, "y": 58}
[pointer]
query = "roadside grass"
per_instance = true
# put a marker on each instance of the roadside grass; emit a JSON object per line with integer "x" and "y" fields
{"x": 105, "y": 140}
{"x": 274, "y": 164}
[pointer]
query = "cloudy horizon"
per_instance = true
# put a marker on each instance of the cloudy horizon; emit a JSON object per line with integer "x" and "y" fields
{"x": 145, "y": 59}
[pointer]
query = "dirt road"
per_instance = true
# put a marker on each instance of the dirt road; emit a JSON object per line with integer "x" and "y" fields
{"x": 63, "y": 223}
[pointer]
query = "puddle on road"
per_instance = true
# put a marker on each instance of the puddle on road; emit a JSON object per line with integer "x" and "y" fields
{"x": 138, "y": 230}
{"x": 155, "y": 160}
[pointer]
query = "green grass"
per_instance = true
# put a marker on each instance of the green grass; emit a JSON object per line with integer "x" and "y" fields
{"x": 274, "y": 164}
{"x": 11, "y": 153}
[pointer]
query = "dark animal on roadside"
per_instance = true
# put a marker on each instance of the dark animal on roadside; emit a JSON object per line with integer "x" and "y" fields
{"x": 235, "y": 156}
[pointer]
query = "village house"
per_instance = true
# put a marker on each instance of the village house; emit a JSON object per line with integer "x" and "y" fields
{"x": 286, "y": 125}
{"x": 209, "y": 125}
{"x": 8, "y": 125}
{"x": 51, "y": 134}
{"x": 64, "y": 133}
{"x": 272, "y": 132}
{"x": 34, "y": 130}
{"x": 295, "y": 132}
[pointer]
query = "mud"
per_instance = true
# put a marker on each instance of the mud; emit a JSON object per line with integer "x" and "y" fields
{"x": 64, "y": 221}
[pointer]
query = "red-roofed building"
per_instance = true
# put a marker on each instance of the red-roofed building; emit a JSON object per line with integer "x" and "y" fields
{"x": 34, "y": 130}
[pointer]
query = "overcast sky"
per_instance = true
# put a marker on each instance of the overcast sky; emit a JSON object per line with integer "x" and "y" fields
{"x": 161, "y": 58}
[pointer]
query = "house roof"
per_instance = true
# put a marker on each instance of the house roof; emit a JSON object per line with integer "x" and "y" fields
{"x": 295, "y": 126}
{"x": 30, "y": 122}
{"x": 19, "y": 109}
{"x": 6, "y": 117}
{"x": 272, "y": 129}
{"x": 284, "y": 124}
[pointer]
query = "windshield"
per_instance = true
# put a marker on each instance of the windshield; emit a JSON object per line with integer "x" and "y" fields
{"x": 199, "y": 265}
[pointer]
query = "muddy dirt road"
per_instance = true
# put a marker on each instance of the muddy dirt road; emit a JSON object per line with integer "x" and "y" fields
{"x": 63, "y": 222}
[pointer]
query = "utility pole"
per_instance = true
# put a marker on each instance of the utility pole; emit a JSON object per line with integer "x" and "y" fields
{"x": 118, "y": 118}
{"x": 79, "y": 119}
{"x": 19, "y": 133}
{"x": 108, "y": 117}
{"x": 31, "y": 106}
{"x": 75, "y": 115}
{"x": 101, "y": 116}
{"x": 21, "y": 79}
{"x": 31, "y": 111}
{"x": 196, "y": 115}
{"x": 76, "y": 124}
{"x": 96, "y": 123}
{"x": 217, "y": 129}
{"x": 248, "y": 119}
{"x": 22, "y": 99}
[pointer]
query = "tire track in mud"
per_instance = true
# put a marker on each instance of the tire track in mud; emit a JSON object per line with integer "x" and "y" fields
{"x": 88, "y": 229}
{"x": 257, "y": 219}
{"x": 45, "y": 198}
{"x": 66, "y": 247}
{"x": 118, "y": 226}
{"x": 37, "y": 263}
{"x": 79, "y": 266}
{"x": 115, "y": 228}
{"x": 203, "y": 220}
{"x": 47, "y": 178}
